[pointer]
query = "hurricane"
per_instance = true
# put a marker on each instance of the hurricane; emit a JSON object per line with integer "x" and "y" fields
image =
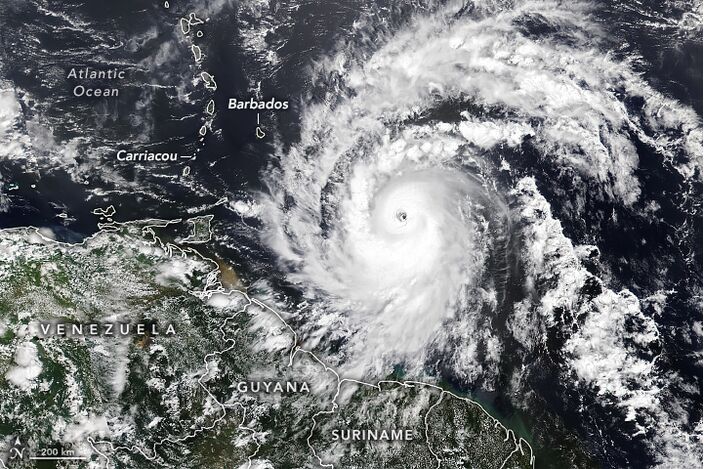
{"x": 437, "y": 213}
{"x": 477, "y": 224}
{"x": 413, "y": 230}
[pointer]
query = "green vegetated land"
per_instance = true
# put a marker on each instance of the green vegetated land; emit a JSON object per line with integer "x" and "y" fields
{"x": 204, "y": 395}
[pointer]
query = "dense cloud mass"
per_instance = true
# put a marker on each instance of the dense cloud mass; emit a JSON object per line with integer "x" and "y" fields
{"x": 411, "y": 216}
{"x": 500, "y": 198}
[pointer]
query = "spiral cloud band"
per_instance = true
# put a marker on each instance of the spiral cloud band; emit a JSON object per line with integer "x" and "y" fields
{"x": 409, "y": 216}
{"x": 374, "y": 206}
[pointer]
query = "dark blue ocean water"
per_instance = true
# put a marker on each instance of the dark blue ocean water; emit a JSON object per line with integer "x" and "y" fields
{"x": 39, "y": 45}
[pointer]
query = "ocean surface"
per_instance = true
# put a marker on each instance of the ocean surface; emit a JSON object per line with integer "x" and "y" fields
{"x": 161, "y": 107}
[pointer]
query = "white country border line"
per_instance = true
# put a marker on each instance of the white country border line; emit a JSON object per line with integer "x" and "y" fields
{"x": 206, "y": 360}
{"x": 296, "y": 348}
{"x": 242, "y": 426}
{"x": 212, "y": 286}
{"x": 509, "y": 432}
{"x": 427, "y": 431}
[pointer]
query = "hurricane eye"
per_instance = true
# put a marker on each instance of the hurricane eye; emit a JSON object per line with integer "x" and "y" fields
{"x": 401, "y": 216}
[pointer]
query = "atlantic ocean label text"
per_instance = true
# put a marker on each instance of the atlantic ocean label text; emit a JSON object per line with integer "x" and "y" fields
{"x": 92, "y": 82}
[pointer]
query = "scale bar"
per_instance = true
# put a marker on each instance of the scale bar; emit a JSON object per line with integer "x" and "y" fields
{"x": 55, "y": 458}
